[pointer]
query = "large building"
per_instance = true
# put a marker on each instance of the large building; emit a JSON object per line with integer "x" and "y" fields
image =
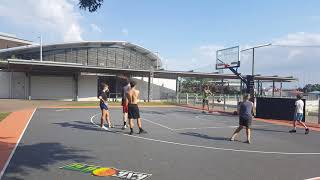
{"x": 75, "y": 71}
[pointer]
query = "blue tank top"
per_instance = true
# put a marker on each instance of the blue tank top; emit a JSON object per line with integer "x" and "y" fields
{"x": 246, "y": 109}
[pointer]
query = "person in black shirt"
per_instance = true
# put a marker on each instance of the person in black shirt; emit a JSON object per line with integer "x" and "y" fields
{"x": 105, "y": 115}
{"x": 245, "y": 111}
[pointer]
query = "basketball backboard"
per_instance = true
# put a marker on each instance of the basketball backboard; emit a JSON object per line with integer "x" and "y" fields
{"x": 229, "y": 57}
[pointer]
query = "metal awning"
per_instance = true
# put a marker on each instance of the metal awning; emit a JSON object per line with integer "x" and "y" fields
{"x": 71, "y": 68}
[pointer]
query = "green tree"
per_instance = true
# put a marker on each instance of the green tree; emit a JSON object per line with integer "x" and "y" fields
{"x": 91, "y": 5}
{"x": 311, "y": 87}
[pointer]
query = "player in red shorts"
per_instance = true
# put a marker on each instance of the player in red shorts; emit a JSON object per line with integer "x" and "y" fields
{"x": 124, "y": 103}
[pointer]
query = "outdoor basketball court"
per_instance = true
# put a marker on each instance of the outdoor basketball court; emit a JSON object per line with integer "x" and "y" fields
{"x": 181, "y": 143}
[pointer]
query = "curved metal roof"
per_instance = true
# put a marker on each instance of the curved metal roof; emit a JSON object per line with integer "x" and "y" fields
{"x": 32, "y": 48}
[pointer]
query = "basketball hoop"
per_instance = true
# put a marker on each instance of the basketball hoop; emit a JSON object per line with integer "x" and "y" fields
{"x": 228, "y": 58}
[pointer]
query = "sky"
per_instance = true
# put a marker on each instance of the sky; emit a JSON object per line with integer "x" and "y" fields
{"x": 185, "y": 34}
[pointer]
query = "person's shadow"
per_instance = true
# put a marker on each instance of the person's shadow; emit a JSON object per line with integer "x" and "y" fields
{"x": 204, "y": 136}
{"x": 88, "y": 126}
{"x": 39, "y": 156}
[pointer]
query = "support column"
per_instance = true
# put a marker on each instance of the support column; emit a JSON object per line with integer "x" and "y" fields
{"x": 177, "y": 85}
{"x": 11, "y": 84}
{"x": 318, "y": 110}
{"x": 280, "y": 89}
{"x": 116, "y": 97}
{"x": 76, "y": 87}
{"x": 29, "y": 86}
{"x": 261, "y": 89}
{"x": 258, "y": 89}
{"x": 273, "y": 88}
{"x": 149, "y": 86}
{"x": 241, "y": 87}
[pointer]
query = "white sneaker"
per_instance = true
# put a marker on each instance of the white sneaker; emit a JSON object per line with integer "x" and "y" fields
{"x": 124, "y": 127}
{"x": 105, "y": 128}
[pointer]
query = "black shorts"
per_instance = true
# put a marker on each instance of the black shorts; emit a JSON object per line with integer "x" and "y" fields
{"x": 133, "y": 111}
{"x": 245, "y": 121}
{"x": 205, "y": 102}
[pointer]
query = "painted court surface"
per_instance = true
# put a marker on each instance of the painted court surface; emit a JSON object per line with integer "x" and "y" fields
{"x": 181, "y": 144}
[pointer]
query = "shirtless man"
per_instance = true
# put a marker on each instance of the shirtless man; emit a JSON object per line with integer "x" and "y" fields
{"x": 133, "y": 109}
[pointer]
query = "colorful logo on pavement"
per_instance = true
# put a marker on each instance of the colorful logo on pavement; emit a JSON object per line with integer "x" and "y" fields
{"x": 105, "y": 171}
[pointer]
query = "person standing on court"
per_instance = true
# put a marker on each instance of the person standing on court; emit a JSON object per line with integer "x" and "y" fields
{"x": 133, "y": 109}
{"x": 205, "y": 97}
{"x": 298, "y": 115}
{"x": 105, "y": 115}
{"x": 245, "y": 111}
{"x": 124, "y": 103}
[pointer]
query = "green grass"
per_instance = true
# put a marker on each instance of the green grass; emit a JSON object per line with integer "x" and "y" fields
{"x": 3, "y": 115}
{"x": 95, "y": 103}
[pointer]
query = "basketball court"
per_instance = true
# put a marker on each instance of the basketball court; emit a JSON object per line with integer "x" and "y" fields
{"x": 181, "y": 143}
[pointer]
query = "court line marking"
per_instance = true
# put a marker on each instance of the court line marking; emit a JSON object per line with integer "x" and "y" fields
{"x": 211, "y": 147}
{"x": 215, "y": 127}
{"x": 17, "y": 144}
{"x": 199, "y": 117}
{"x": 143, "y": 119}
{"x": 315, "y": 178}
{"x": 209, "y": 127}
{"x": 159, "y": 124}
{"x": 59, "y": 110}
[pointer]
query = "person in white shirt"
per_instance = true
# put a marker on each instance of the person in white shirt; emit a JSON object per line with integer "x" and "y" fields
{"x": 298, "y": 115}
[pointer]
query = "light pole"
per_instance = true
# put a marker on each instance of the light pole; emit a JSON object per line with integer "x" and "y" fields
{"x": 253, "y": 48}
{"x": 251, "y": 82}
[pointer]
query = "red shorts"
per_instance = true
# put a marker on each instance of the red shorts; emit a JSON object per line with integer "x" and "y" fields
{"x": 125, "y": 108}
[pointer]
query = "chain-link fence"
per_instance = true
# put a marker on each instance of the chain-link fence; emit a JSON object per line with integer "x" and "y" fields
{"x": 217, "y": 102}
{"x": 229, "y": 103}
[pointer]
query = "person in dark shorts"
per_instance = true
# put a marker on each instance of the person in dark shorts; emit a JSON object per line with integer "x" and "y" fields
{"x": 205, "y": 97}
{"x": 298, "y": 115}
{"x": 124, "y": 103}
{"x": 245, "y": 111}
{"x": 133, "y": 109}
{"x": 105, "y": 115}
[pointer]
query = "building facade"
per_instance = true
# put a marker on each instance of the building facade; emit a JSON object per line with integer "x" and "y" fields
{"x": 64, "y": 71}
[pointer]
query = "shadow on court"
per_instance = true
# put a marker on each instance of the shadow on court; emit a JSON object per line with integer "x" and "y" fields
{"x": 4, "y": 145}
{"x": 40, "y": 156}
{"x": 204, "y": 136}
{"x": 270, "y": 130}
{"x": 152, "y": 112}
{"x": 88, "y": 126}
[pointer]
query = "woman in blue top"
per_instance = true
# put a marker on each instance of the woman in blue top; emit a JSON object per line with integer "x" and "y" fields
{"x": 105, "y": 115}
{"x": 245, "y": 110}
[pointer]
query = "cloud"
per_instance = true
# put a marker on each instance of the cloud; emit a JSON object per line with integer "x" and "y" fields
{"x": 299, "y": 39}
{"x": 125, "y": 31}
{"x": 296, "y": 54}
{"x": 58, "y": 16}
{"x": 202, "y": 59}
{"x": 95, "y": 28}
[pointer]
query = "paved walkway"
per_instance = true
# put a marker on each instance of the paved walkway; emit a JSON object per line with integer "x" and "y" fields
{"x": 11, "y": 105}
{"x": 11, "y": 130}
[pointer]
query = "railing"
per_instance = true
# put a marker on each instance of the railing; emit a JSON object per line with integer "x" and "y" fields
{"x": 229, "y": 103}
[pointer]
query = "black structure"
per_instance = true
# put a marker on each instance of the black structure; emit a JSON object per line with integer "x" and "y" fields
{"x": 276, "y": 108}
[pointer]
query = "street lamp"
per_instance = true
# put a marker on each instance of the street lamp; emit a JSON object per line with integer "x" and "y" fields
{"x": 253, "y": 48}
